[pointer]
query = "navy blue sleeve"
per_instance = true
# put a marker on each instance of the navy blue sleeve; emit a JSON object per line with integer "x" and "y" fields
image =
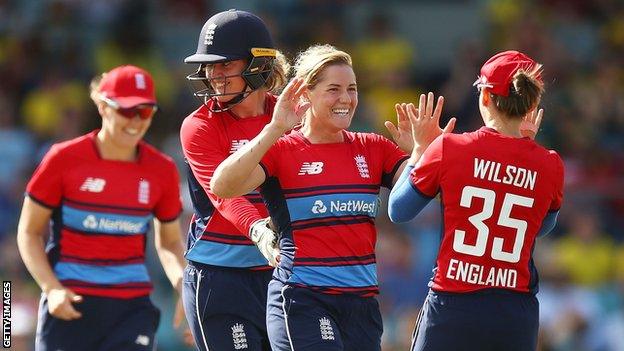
{"x": 548, "y": 223}
{"x": 405, "y": 201}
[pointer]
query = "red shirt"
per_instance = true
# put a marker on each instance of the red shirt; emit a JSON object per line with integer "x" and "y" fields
{"x": 495, "y": 192}
{"x": 218, "y": 234}
{"x": 324, "y": 198}
{"x": 102, "y": 210}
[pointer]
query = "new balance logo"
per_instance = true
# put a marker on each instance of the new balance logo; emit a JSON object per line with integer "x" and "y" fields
{"x": 327, "y": 331}
{"x": 237, "y": 144}
{"x": 94, "y": 185}
{"x": 319, "y": 207}
{"x": 311, "y": 168}
{"x": 142, "y": 340}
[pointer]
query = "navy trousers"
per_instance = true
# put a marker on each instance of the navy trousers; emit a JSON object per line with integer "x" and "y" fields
{"x": 301, "y": 319}
{"x": 226, "y": 307}
{"x": 487, "y": 321}
{"x": 107, "y": 324}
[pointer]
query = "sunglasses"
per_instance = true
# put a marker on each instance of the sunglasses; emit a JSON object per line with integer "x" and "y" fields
{"x": 144, "y": 111}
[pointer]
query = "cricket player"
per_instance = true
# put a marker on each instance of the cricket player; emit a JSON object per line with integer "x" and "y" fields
{"x": 225, "y": 283}
{"x": 499, "y": 191}
{"x": 98, "y": 194}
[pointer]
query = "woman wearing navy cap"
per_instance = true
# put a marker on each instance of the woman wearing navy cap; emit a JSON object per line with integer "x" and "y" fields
{"x": 230, "y": 248}
{"x": 100, "y": 192}
{"x": 499, "y": 191}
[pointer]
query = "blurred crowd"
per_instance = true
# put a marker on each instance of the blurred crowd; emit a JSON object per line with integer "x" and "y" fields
{"x": 49, "y": 51}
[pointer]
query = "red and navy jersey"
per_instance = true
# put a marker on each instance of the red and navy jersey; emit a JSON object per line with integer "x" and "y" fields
{"x": 101, "y": 213}
{"x": 324, "y": 199}
{"x": 218, "y": 233}
{"x": 495, "y": 192}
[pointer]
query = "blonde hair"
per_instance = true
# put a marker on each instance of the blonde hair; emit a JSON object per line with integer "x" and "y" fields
{"x": 311, "y": 62}
{"x": 279, "y": 76}
{"x": 94, "y": 88}
{"x": 525, "y": 93}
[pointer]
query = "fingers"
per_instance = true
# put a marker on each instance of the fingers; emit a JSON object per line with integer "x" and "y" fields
{"x": 66, "y": 312}
{"x": 538, "y": 119}
{"x": 179, "y": 314}
{"x": 300, "y": 88}
{"x": 429, "y": 104}
{"x": 293, "y": 89}
{"x": 394, "y": 131}
{"x": 188, "y": 338}
{"x": 72, "y": 313}
{"x": 400, "y": 112}
{"x": 301, "y": 108}
{"x": 438, "y": 109}
{"x": 412, "y": 112}
{"x": 450, "y": 125}
{"x": 422, "y": 106}
{"x": 75, "y": 298}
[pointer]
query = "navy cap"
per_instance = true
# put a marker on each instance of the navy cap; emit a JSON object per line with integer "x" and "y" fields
{"x": 230, "y": 35}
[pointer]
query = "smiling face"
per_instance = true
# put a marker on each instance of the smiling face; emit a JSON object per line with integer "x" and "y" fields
{"x": 225, "y": 78}
{"x": 333, "y": 98}
{"x": 123, "y": 132}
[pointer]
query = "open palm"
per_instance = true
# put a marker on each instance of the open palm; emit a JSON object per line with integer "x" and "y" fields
{"x": 289, "y": 109}
{"x": 425, "y": 120}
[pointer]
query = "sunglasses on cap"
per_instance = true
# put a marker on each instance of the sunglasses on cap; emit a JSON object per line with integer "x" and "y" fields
{"x": 144, "y": 111}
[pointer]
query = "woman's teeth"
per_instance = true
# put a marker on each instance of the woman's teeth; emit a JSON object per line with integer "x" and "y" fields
{"x": 131, "y": 131}
{"x": 341, "y": 111}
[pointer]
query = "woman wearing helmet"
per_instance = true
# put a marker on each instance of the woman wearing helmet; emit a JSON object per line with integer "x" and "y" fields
{"x": 226, "y": 279}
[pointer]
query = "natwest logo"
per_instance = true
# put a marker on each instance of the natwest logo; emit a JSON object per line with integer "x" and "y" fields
{"x": 112, "y": 225}
{"x": 346, "y": 207}
{"x": 311, "y": 168}
{"x": 354, "y": 206}
{"x": 319, "y": 207}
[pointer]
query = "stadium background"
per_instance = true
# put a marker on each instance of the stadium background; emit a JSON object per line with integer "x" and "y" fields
{"x": 49, "y": 50}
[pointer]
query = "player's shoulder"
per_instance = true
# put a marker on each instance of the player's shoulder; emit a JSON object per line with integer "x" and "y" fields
{"x": 198, "y": 123}
{"x": 201, "y": 115}
{"x": 459, "y": 138}
{"x": 79, "y": 146}
{"x": 366, "y": 138}
{"x": 155, "y": 158}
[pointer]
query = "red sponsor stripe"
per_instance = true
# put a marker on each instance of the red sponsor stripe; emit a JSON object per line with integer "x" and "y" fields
{"x": 119, "y": 294}
{"x": 101, "y": 247}
{"x": 98, "y": 262}
{"x": 120, "y": 291}
{"x": 363, "y": 292}
{"x": 235, "y": 240}
{"x": 339, "y": 241}
{"x": 107, "y": 209}
{"x": 331, "y": 191}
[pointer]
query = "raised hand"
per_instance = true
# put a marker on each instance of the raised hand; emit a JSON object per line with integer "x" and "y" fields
{"x": 289, "y": 108}
{"x": 531, "y": 122}
{"x": 60, "y": 302}
{"x": 402, "y": 132}
{"x": 425, "y": 120}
